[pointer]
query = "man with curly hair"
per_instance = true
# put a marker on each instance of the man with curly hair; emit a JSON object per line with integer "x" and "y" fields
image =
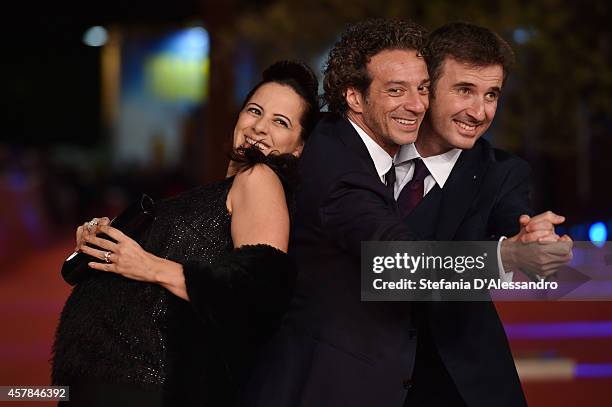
{"x": 377, "y": 78}
{"x": 334, "y": 349}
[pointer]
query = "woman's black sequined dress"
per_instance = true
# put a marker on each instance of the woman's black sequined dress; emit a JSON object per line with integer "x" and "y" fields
{"x": 118, "y": 331}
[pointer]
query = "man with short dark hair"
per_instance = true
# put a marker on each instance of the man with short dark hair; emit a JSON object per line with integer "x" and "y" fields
{"x": 470, "y": 191}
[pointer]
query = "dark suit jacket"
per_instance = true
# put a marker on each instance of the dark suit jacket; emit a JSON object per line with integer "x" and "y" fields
{"x": 463, "y": 348}
{"x": 333, "y": 349}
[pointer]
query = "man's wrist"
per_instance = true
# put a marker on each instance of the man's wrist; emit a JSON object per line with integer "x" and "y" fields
{"x": 505, "y": 275}
{"x": 507, "y": 255}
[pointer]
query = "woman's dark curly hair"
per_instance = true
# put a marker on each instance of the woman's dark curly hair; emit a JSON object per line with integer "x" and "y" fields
{"x": 347, "y": 61}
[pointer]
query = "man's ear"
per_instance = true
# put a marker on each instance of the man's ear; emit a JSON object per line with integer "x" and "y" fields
{"x": 354, "y": 100}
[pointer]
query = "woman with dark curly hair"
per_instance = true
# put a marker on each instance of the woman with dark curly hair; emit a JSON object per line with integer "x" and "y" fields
{"x": 176, "y": 318}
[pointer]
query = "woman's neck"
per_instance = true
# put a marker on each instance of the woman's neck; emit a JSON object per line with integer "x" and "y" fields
{"x": 232, "y": 169}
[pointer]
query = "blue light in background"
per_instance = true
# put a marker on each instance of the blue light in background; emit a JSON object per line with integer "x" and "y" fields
{"x": 579, "y": 232}
{"x": 584, "y": 370}
{"x": 245, "y": 73}
{"x": 560, "y": 230}
{"x": 95, "y": 36}
{"x": 522, "y": 35}
{"x": 598, "y": 234}
{"x": 559, "y": 330}
{"x": 177, "y": 71}
{"x": 17, "y": 181}
{"x": 192, "y": 43}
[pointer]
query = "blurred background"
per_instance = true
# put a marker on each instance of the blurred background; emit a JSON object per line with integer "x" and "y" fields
{"x": 102, "y": 102}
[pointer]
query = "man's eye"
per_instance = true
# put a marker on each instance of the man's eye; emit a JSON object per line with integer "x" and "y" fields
{"x": 395, "y": 91}
{"x": 491, "y": 97}
{"x": 464, "y": 91}
{"x": 423, "y": 89}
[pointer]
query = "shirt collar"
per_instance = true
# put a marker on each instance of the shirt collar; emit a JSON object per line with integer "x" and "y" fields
{"x": 382, "y": 160}
{"x": 439, "y": 166}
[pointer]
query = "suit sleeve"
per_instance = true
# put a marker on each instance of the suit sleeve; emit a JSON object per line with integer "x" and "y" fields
{"x": 357, "y": 210}
{"x": 513, "y": 201}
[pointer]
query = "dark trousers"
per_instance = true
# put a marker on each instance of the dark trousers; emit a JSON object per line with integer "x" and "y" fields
{"x": 431, "y": 385}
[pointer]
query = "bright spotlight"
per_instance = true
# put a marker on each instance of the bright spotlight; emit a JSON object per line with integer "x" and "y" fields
{"x": 95, "y": 36}
{"x": 598, "y": 234}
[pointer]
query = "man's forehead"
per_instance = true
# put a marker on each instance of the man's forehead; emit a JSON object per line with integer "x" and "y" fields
{"x": 389, "y": 62}
{"x": 395, "y": 55}
{"x": 459, "y": 71}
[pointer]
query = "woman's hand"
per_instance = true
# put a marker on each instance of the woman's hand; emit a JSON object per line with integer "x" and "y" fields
{"x": 88, "y": 228}
{"x": 125, "y": 257}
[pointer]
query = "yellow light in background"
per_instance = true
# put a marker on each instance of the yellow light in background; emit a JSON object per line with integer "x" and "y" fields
{"x": 173, "y": 78}
{"x": 110, "y": 60}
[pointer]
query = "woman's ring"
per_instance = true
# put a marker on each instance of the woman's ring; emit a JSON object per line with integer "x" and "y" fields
{"x": 107, "y": 257}
{"x": 92, "y": 223}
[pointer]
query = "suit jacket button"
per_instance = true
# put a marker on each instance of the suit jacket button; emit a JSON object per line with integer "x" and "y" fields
{"x": 407, "y": 383}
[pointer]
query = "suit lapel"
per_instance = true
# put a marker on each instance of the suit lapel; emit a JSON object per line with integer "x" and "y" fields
{"x": 351, "y": 139}
{"x": 349, "y": 136}
{"x": 460, "y": 190}
{"x": 424, "y": 218}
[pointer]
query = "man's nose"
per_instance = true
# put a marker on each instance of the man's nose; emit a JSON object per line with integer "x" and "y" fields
{"x": 416, "y": 103}
{"x": 477, "y": 110}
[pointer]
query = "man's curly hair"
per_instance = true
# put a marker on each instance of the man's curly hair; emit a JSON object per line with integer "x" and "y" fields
{"x": 347, "y": 62}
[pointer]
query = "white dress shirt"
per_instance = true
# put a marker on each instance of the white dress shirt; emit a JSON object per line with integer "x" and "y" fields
{"x": 382, "y": 160}
{"x": 439, "y": 166}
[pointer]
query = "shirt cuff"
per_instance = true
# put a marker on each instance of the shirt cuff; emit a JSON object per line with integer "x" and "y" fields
{"x": 503, "y": 276}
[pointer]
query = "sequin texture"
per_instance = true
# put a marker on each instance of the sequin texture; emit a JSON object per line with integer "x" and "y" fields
{"x": 122, "y": 331}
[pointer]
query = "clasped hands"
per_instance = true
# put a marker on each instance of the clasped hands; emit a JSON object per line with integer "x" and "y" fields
{"x": 537, "y": 249}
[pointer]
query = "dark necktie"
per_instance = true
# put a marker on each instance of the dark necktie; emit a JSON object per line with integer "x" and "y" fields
{"x": 390, "y": 179}
{"x": 413, "y": 191}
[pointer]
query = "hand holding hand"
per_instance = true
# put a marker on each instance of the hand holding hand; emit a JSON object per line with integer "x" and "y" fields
{"x": 540, "y": 228}
{"x": 537, "y": 249}
{"x": 540, "y": 258}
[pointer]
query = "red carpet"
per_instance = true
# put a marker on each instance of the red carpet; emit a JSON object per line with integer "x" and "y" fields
{"x": 32, "y": 294}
